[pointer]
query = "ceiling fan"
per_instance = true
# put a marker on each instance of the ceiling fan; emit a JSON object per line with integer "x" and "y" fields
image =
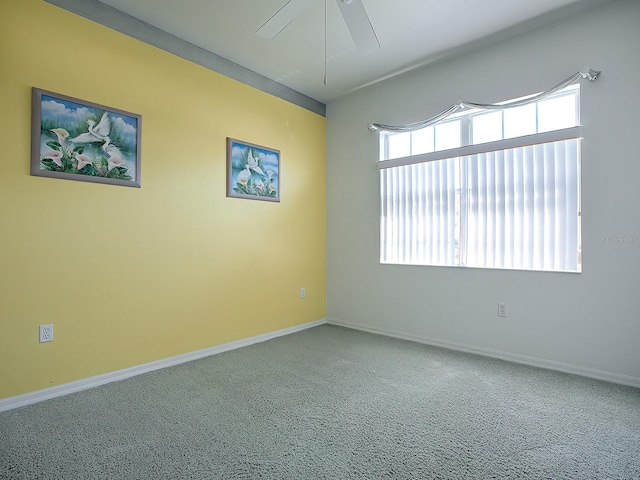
{"x": 353, "y": 11}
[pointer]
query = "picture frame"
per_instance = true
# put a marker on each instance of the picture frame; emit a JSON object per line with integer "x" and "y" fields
{"x": 253, "y": 171}
{"x": 76, "y": 139}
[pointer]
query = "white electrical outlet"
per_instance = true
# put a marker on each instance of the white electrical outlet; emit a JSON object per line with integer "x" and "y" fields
{"x": 46, "y": 333}
{"x": 502, "y": 309}
{"x": 303, "y": 293}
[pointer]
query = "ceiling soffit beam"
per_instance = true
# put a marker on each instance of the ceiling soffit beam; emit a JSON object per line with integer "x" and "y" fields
{"x": 116, "y": 20}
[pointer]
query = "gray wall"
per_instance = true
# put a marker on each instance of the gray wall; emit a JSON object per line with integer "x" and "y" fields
{"x": 587, "y": 323}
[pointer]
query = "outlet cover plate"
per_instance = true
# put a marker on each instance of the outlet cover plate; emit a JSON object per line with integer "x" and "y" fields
{"x": 46, "y": 333}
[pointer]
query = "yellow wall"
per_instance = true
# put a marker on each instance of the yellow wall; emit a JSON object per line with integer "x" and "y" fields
{"x": 129, "y": 275}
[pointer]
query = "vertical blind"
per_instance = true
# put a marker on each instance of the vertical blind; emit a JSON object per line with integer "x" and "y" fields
{"x": 512, "y": 208}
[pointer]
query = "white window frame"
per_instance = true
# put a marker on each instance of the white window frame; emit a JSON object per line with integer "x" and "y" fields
{"x": 468, "y": 149}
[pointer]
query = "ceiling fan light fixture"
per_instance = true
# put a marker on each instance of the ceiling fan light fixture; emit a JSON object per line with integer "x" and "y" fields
{"x": 354, "y": 14}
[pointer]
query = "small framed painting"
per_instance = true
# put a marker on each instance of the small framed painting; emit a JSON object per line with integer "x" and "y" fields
{"x": 253, "y": 171}
{"x": 79, "y": 140}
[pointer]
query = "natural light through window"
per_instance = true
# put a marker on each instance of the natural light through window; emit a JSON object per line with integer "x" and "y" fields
{"x": 514, "y": 203}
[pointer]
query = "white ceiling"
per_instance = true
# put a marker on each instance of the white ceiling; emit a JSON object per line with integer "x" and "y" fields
{"x": 412, "y": 33}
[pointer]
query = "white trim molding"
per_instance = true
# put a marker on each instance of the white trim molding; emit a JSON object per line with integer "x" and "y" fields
{"x": 91, "y": 382}
{"x": 508, "y": 356}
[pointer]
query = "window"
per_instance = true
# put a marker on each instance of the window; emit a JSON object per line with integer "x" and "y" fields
{"x": 492, "y": 189}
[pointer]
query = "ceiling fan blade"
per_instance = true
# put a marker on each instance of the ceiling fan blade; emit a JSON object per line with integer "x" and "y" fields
{"x": 282, "y": 18}
{"x": 359, "y": 25}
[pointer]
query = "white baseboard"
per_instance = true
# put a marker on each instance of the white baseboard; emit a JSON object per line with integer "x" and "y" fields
{"x": 511, "y": 357}
{"x": 86, "y": 383}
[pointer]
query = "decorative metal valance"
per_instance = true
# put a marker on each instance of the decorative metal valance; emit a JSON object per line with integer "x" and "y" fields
{"x": 585, "y": 72}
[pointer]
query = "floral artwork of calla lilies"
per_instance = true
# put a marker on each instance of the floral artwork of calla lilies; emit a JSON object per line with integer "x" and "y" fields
{"x": 84, "y": 140}
{"x": 254, "y": 171}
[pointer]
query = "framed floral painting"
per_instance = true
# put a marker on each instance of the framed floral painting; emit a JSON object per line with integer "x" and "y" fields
{"x": 79, "y": 140}
{"x": 253, "y": 171}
